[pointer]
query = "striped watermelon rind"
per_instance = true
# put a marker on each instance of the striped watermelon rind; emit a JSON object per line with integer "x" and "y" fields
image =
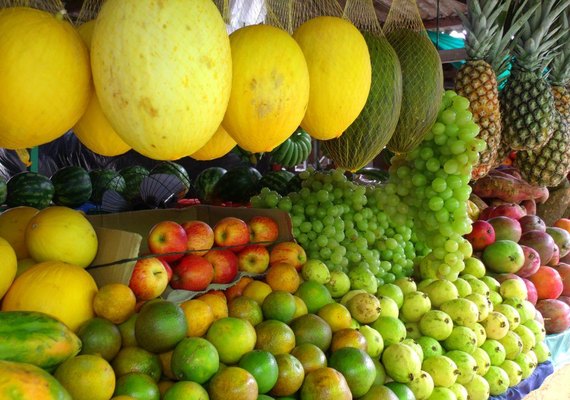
{"x": 72, "y": 186}
{"x": 105, "y": 179}
{"x": 133, "y": 177}
{"x": 206, "y": 181}
{"x": 172, "y": 168}
{"x": 29, "y": 189}
{"x": 276, "y": 180}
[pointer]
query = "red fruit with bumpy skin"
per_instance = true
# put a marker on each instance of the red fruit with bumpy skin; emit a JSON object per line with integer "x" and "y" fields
{"x": 548, "y": 283}
{"x": 481, "y": 236}
{"x": 225, "y": 263}
{"x": 542, "y": 242}
{"x": 532, "y": 223}
{"x": 532, "y": 295}
{"x": 231, "y": 232}
{"x": 564, "y": 272}
{"x": 506, "y": 228}
{"x": 192, "y": 273}
{"x": 531, "y": 262}
{"x": 556, "y": 315}
{"x": 555, "y": 259}
{"x": 167, "y": 237}
{"x": 263, "y": 230}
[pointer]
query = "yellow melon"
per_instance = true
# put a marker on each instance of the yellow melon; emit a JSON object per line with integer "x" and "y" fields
{"x": 340, "y": 73}
{"x": 270, "y": 87}
{"x": 61, "y": 234}
{"x": 93, "y": 129}
{"x": 64, "y": 291}
{"x": 13, "y": 223}
{"x": 8, "y": 266}
{"x": 44, "y": 76}
{"x": 162, "y": 72}
{"x": 218, "y": 146}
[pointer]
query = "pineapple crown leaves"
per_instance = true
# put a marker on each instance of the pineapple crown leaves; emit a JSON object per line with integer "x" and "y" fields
{"x": 500, "y": 54}
{"x": 482, "y": 25}
{"x": 560, "y": 66}
{"x": 537, "y": 43}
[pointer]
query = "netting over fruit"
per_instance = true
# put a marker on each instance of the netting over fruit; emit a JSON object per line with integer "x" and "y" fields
{"x": 52, "y": 6}
{"x": 422, "y": 75}
{"x": 290, "y": 14}
{"x": 371, "y": 131}
{"x": 89, "y": 10}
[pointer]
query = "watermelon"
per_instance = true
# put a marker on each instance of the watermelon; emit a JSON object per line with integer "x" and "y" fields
{"x": 276, "y": 180}
{"x": 29, "y": 189}
{"x": 172, "y": 168}
{"x": 105, "y": 179}
{"x": 72, "y": 186}
{"x": 206, "y": 182}
{"x": 238, "y": 185}
{"x": 3, "y": 190}
{"x": 133, "y": 176}
{"x": 294, "y": 184}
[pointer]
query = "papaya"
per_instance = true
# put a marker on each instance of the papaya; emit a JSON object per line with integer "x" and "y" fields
{"x": 26, "y": 381}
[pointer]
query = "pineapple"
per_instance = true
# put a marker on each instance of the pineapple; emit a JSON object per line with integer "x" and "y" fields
{"x": 528, "y": 104}
{"x": 551, "y": 164}
{"x": 476, "y": 79}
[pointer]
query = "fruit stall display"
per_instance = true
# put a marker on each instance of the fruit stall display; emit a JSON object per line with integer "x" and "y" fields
{"x": 435, "y": 279}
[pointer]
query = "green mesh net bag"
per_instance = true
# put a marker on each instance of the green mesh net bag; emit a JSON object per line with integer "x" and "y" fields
{"x": 371, "y": 131}
{"x": 422, "y": 75}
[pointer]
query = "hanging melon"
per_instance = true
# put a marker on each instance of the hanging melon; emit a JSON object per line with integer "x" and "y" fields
{"x": 44, "y": 77}
{"x": 218, "y": 146}
{"x": 162, "y": 72}
{"x": 340, "y": 74}
{"x": 93, "y": 129}
{"x": 270, "y": 88}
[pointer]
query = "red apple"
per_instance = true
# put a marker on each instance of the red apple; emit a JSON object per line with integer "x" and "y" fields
{"x": 231, "y": 232}
{"x": 225, "y": 263}
{"x": 192, "y": 273}
{"x": 149, "y": 278}
{"x": 254, "y": 259}
{"x": 167, "y": 237}
{"x": 289, "y": 253}
{"x": 168, "y": 269}
{"x": 200, "y": 236}
{"x": 482, "y": 235}
{"x": 263, "y": 230}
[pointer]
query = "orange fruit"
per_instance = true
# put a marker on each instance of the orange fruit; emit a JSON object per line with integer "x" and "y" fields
{"x": 314, "y": 294}
{"x": 163, "y": 386}
{"x": 87, "y": 377}
{"x": 257, "y": 290}
{"x": 245, "y": 308}
{"x": 195, "y": 359}
{"x": 300, "y": 307}
{"x": 99, "y": 337}
{"x": 233, "y": 383}
{"x": 232, "y": 337}
{"x": 291, "y": 375}
{"x": 336, "y": 315}
{"x": 115, "y": 302}
{"x": 325, "y": 384}
{"x": 218, "y": 293}
{"x": 127, "y": 330}
{"x": 310, "y": 356}
{"x": 165, "y": 363}
{"x": 275, "y": 337}
{"x": 13, "y": 223}
{"x": 284, "y": 277}
{"x": 313, "y": 329}
{"x": 199, "y": 317}
{"x": 563, "y": 223}
{"x": 237, "y": 289}
{"x": 218, "y": 304}
{"x": 185, "y": 390}
{"x": 137, "y": 386}
{"x": 263, "y": 366}
{"x": 279, "y": 305}
{"x": 357, "y": 368}
{"x": 160, "y": 326}
{"x": 348, "y": 338}
{"x": 135, "y": 359}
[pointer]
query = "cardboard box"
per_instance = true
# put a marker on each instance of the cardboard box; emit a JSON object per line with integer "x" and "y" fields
{"x": 122, "y": 237}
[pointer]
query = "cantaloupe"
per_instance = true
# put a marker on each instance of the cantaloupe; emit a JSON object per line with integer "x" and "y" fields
{"x": 218, "y": 146}
{"x": 44, "y": 77}
{"x": 270, "y": 88}
{"x": 93, "y": 129}
{"x": 340, "y": 74}
{"x": 162, "y": 72}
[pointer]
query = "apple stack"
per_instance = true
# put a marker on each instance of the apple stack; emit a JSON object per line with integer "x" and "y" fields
{"x": 516, "y": 245}
{"x": 193, "y": 255}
